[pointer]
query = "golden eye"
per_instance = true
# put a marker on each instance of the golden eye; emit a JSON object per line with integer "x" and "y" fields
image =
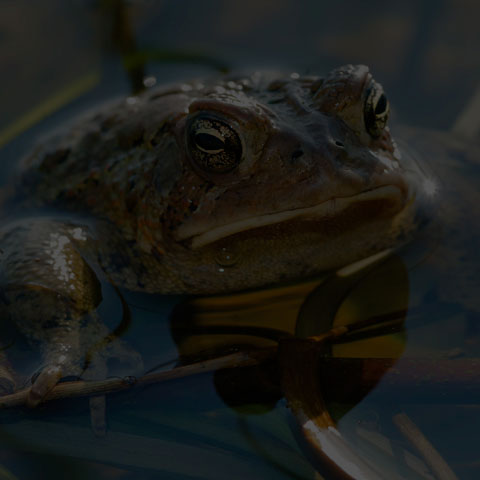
{"x": 376, "y": 110}
{"x": 214, "y": 145}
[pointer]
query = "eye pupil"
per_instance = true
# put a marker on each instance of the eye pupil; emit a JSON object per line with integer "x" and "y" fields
{"x": 209, "y": 142}
{"x": 381, "y": 104}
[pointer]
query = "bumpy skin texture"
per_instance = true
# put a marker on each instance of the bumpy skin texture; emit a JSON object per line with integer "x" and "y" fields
{"x": 125, "y": 198}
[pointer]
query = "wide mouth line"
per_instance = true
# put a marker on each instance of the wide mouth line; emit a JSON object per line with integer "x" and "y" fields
{"x": 327, "y": 208}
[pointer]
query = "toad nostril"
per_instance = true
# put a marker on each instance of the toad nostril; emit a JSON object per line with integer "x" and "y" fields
{"x": 296, "y": 154}
{"x": 338, "y": 143}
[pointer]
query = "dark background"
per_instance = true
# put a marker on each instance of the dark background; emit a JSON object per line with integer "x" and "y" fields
{"x": 425, "y": 53}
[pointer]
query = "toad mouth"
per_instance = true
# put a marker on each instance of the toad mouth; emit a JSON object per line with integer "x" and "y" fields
{"x": 327, "y": 209}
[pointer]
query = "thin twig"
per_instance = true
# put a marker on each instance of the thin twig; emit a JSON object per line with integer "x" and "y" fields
{"x": 82, "y": 388}
{"x": 87, "y": 388}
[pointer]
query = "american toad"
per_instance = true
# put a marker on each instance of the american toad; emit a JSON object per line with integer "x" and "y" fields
{"x": 199, "y": 188}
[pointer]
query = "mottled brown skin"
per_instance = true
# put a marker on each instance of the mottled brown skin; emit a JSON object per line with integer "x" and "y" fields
{"x": 122, "y": 198}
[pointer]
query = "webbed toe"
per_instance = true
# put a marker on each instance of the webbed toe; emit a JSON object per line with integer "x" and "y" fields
{"x": 43, "y": 384}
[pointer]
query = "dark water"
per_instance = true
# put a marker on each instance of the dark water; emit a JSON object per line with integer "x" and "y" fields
{"x": 59, "y": 59}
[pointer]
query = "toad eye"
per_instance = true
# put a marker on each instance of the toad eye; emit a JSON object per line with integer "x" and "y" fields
{"x": 376, "y": 110}
{"x": 214, "y": 145}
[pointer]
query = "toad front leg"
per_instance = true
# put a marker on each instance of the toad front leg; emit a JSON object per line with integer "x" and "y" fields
{"x": 51, "y": 294}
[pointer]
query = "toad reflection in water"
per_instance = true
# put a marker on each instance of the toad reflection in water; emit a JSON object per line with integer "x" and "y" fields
{"x": 214, "y": 188}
